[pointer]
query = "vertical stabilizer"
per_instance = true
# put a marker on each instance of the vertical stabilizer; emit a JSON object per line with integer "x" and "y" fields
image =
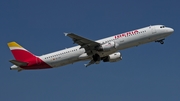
{"x": 20, "y": 53}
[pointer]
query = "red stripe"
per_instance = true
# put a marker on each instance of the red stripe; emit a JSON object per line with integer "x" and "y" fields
{"x": 36, "y": 63}
{"x": 33, "y": 61}
{"x": 21, "y": 55}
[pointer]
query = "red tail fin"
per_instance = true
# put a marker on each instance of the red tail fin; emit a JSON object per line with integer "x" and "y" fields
{"x": 19, "y": 52}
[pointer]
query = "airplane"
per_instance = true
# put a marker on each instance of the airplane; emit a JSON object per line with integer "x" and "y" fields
{"x": 106, "y": 50}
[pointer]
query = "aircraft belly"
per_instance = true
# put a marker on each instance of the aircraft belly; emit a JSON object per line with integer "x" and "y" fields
{"x": 68, "y": 59}
{"x": 103, "y": 54}
{"x": 135, "y": 41}
{"x": 64, "y": 62}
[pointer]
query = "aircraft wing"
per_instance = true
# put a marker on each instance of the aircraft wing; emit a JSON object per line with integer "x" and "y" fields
{"x": 83, "y": 42}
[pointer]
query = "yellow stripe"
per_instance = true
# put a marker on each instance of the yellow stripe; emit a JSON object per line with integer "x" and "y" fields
{"x": 14, "y": 44}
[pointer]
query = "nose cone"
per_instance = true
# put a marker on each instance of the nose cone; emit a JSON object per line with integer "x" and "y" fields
{"x": 170, "y": 30}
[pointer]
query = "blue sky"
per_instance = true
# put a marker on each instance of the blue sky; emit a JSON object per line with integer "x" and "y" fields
{"x": 149, "y": 72}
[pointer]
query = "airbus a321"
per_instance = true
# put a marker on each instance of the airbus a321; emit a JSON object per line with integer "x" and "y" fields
{"x": 106, "y": 50}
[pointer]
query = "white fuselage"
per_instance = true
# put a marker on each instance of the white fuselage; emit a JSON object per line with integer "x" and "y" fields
{"x": 123, "y": 41}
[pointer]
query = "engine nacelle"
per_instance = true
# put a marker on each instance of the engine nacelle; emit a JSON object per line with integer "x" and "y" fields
{"x": 113, "y": 57}
{"x": 106, "y": 47}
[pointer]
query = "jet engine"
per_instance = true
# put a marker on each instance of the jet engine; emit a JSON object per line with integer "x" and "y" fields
{"x": 106, "y": 47}
{"x": 113, "y": 57}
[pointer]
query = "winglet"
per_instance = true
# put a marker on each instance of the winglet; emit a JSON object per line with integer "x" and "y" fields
{"x": 90, "y": 63}
{"x": 86, "y": 65}
{"x": 66, "y": 33}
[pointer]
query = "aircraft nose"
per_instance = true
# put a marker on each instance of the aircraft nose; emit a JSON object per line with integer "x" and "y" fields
{"x": 170, "y": 30}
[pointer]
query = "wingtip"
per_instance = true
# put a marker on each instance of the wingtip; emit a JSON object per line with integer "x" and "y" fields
{"x": 65, "y": 33}
{"x": 85, "y": 65}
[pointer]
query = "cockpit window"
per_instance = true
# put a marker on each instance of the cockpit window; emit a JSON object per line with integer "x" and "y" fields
{"x": 162, "y": 26}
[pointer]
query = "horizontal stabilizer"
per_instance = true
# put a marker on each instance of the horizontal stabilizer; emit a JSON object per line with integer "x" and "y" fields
{"x": 18, "y": 63}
